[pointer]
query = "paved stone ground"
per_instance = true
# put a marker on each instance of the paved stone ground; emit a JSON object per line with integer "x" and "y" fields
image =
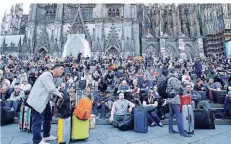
{"x": 106, "y": 134}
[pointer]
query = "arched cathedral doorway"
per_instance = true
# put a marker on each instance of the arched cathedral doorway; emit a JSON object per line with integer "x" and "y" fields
{"x": 113, "y": 52}
{"x": 76, "y": 43}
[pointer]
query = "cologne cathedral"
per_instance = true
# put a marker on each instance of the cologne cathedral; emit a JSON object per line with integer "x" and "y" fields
{"x": 174, "y": 30}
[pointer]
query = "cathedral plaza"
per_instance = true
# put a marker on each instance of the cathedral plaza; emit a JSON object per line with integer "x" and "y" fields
{"x": 103, "y": 50}
{"x": 107, "y": 134}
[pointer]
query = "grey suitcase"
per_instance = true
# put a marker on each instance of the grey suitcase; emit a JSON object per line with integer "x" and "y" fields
{"x": 188, "y": 119}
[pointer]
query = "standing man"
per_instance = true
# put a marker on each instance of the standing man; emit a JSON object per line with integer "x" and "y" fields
{"x": 39, "y": 100}
{"x": 174, "y": 91}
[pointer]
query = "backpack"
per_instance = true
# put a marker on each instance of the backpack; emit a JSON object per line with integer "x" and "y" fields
{"x": 63, "y": 106}
{"x": 161, "y": 88}
{"x": 83, "y": 109}
{"x": 82, "y": 84}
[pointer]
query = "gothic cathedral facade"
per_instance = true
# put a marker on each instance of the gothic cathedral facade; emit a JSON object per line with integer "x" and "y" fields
{"x": 174, "y": 30}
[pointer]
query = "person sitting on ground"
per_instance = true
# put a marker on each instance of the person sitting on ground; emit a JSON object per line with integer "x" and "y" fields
{"x": 135, "y": 92}
{"x": 121, "y": 111}
{"x": 124, "y": 88}
{"x": 8, "y": 75}
{"x": 109, "y": 78}
{"x": 5, "y": 94}
{"x": 15, "y": 99}
{"x": 5, "y": 82}
{"x": 211, "y": 87}
{"x": 102, "y": 101}
{"x": 162, "y": 108}
{"x": 186, "y": 78}
{"x": 199, "y": 85}
{"x": 149, "y": 101}
{"x": 196, "y": 98}
{"x": 25, "y": 86}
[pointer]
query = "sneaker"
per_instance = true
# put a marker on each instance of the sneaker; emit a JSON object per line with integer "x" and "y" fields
{"x": 160, "y": 124}
{"x": 50, "y": 138}
{"x": 185, "y": 135}
{"x": 152, "y": 125}
{"x": 173, "y": 131}
{"x": 43, "y": 142}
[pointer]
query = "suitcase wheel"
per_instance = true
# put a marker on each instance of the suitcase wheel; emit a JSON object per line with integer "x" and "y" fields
{"x": 28, "y": 131}
{"x": 192, "y": 132}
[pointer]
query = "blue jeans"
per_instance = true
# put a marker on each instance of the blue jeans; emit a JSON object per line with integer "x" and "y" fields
{"x": 15, "y": 105}
{"x": 175, "y": 109}
{"x": 37, "y": 119}
{"x": 153, "y": 117}
{"x": 102, "y": 107}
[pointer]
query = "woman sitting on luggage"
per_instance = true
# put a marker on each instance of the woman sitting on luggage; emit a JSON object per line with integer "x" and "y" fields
{"x": 150, "y": 101}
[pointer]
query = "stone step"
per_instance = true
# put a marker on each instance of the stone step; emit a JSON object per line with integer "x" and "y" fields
{"x": 165, "y": 122}
{"x": 216, "y": 106}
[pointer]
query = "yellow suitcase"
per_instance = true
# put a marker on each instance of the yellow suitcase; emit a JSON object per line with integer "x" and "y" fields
{"x": 79, "y": 129}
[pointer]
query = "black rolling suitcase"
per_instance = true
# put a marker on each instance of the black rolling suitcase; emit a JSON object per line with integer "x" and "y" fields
{"x": 7, "y": 116}
{"x": 204, "y": 119}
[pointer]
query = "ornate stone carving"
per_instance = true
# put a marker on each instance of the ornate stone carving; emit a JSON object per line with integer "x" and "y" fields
{"x": 78, "y": 27}
{"x": 171, "y": 51}
{"x": 25, "y": 45}
{"x": 98, "y": 46}
{"x": 127, "y": 47}
{"x": 43, "y": 40}
{"x": 151, "y": 50}
{"x": 113, "y": 39}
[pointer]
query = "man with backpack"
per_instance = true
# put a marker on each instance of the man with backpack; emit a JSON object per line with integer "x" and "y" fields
{"x": 174, "y": 90}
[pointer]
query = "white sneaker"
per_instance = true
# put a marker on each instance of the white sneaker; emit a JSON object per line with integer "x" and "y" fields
{"x": 50, "y": 138}
{"x": 43, "y": 142}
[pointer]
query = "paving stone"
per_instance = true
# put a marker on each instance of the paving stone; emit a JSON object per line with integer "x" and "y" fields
{"x": 197, "y": 143}
{"x": 113, "y": 140}
{"x": 6, "y": 140}
{"x": 102, "y": 128}
{"x": 88, "y": 142}
{"x": 195, "y": 137}
{"x": 108, "y": 134}
{"x": 219, "y": 129}
{"x": 22, "y": 139}
{"x": 165, "y": 140}
{"x": 218, "y": 139}
{"x": 96, "y": 136}
{"x": 132, "y": 136}
{"x": 140, "y": 142}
